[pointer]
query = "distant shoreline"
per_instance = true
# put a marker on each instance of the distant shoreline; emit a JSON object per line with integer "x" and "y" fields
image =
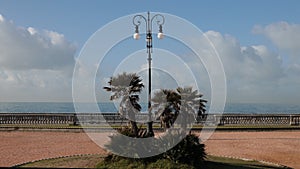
{"x": 68, "y": 107}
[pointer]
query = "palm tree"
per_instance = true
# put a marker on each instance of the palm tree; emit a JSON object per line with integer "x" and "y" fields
{"x": 166, "y": 106}
{"x": 183, "y": 103}
{"x": 191, "y": 106}
{"x": 125, "y": 87}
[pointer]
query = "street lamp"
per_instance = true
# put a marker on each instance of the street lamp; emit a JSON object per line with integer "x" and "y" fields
{"x": 160, "y": 20}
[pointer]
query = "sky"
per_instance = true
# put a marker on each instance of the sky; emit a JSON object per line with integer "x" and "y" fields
{"x": 258, "y": 43}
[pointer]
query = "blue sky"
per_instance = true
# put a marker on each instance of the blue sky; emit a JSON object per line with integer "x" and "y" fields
{"x": 78, "y": 19}
{"x": 243, "y": 31}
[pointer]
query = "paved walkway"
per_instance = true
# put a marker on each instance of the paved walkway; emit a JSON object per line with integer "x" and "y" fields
{"x": 20, "y": 147}
{"x": 277, "y": 147}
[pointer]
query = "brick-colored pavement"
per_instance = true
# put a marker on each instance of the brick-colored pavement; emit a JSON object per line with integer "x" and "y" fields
{"x": 280, "y": 147}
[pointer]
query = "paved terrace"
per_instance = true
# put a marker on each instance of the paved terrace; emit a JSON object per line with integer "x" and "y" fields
{"x": 277, "y": 147}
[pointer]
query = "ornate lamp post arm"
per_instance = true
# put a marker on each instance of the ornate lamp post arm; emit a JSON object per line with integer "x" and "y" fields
{"x": 160, "y": 20}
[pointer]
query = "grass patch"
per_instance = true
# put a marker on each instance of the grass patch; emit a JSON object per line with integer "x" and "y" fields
{"x": 92, "y": 161}
{"x": 137, "y": 164}
{"x": 84, "y": 161}
{"x": 212, "y": 162}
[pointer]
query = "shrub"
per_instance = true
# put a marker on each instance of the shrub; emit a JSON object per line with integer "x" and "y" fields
{"x": 188, "y": 151}
{"x": 167, "y": 164}
{"x": 129, "y": 163}
{"x": 113, "y": 162}
{"x": 127, "y": 144}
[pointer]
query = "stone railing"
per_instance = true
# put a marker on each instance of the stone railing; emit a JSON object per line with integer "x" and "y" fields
{"x": 66, "y": 118}
{"x": 257, "y": 119}
{"x": 113, "y": 118}
{"x": 37, "y": 118}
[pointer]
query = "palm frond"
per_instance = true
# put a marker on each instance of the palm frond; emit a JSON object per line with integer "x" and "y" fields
{"x": 107, "y": 88}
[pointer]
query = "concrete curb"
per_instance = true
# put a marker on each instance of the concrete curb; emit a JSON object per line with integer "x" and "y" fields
{"x": 248, "y": 159}
{"x": 81, "y": 155}
{"x": 75, "y": 155}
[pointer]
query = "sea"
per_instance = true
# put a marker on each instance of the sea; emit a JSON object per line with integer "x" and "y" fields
{"x": 110, "y": 107}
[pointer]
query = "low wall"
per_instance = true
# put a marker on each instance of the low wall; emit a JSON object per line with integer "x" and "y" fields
{"x": 258, "y": 119}
{"x": 113, "y": 118}
{"x": 37, "y": 118}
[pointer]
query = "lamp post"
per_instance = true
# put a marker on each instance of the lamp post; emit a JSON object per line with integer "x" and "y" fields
{"x": 160, "y": 19}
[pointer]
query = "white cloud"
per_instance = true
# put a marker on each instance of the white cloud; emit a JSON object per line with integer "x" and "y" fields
{"x": 285, "y": 37}
{"x": 253, "y": 73}
{"x": 1, "y": 18}
{"x": 31, "y": 30}
{"x": 34, "y": 85}
{"x": 35, "y": 65}
{"x": 30, "y": 48}
{"x": 249, "y": 63}
{"x": 55, "y": 38}
{"x": 282, "y": 34}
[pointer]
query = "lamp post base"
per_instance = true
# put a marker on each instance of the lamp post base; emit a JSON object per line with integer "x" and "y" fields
{"x": 150, "y": 132}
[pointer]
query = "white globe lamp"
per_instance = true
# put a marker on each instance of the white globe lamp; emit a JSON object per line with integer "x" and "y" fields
{"x": 136, "y": 36}
{"x": 160, "y": 35}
